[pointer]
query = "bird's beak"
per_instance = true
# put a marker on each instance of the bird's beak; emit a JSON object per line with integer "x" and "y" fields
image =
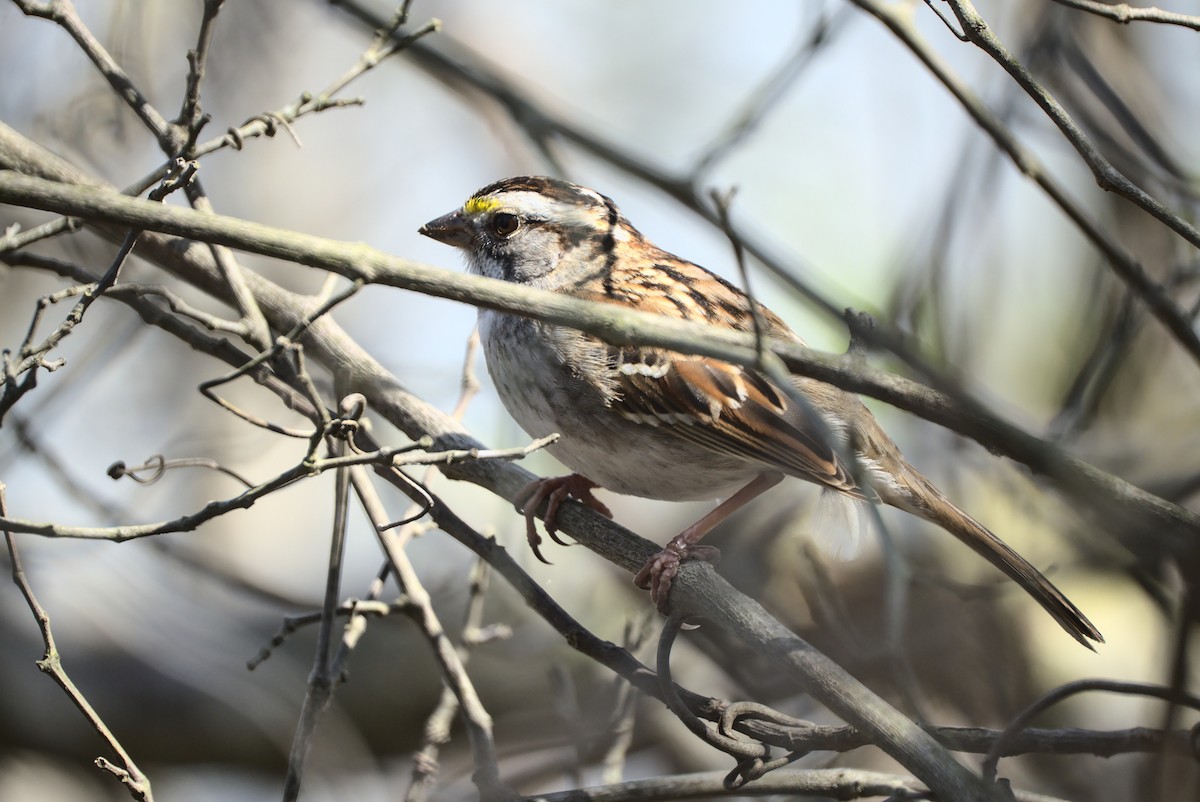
{"x": 451, "y": 229}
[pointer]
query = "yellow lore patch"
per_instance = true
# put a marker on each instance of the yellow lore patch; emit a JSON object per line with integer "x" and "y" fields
{"x": 480, "y": 205}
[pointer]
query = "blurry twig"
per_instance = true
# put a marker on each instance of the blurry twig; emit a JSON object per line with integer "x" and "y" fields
{"x": 1097, "y": 373}
{"x": 1067, "y": 48}
{"x": 370, "y": 608}
{"x": 436, "y": 732}
{"x": 624, "y": 705}
{"x": 469, "y": 382}
{"x": 1180, "y": 672}
{"x": 63, "y": 14}
{"x": 1126, "y": 267}
{"x": 565, "y": 704}
{"x": 767, "y": 96}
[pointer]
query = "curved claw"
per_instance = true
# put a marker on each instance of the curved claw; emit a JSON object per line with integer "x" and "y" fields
{"x": 527, "y": 500}
{"x": 553, "y": 491}
{"x": 535, "y": 542}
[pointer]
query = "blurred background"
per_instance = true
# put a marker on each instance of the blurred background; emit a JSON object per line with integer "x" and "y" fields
{"x": 854, "y": 168}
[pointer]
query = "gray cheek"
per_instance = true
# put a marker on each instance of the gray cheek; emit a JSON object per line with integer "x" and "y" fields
{"x": 529, "y": 257}
{"x": 531, "y": 270}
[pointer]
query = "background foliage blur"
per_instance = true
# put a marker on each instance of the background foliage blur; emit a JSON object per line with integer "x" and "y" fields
{"x": 857, "y": 170}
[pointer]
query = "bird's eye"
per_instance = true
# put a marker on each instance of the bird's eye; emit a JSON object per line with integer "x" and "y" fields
{"x": 503, "y": 224}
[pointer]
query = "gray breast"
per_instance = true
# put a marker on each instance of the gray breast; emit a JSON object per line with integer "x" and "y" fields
{"x": 555, "y": 380}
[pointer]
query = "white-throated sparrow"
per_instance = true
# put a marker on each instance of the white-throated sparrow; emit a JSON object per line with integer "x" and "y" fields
{"x": 660, "y": 424}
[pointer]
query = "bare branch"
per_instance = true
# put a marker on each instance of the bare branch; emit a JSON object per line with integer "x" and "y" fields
{"x": 1125, "y": 13}
{"x": 823, "y": 783}
{"x": 191, "y": 115}
{"x": 51, "y": 664}
{"x": 1062, "y": 692}
{"x": 267, "y": 123}
{"x": 321, "y": 679}
{"x": 454, "y": 673}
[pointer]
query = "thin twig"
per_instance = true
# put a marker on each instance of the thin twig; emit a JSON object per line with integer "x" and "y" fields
{"x": 178, "y": 305}
{"x": 310, "y": 466}
{"x": 281, "y": 343}
{"x": 51, "y": 664}
{"x": 1022, "y": 719}
{"x": 14, "y": 238}
{"x": 159, "y": 465}
{"x": 366, "y": 608}
{"x": 454, "y": 674}
{"x": 321, "y": 679}
{"x": 191, "y": 115}
{"x": 268, "y": 123}
{"x": 33, "y": 358}
{"x": 1125, "y": 13}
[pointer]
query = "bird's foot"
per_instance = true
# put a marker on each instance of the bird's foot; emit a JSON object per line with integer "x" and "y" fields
{"x": 659, "y": 570}
{"x": 553, "y": 491}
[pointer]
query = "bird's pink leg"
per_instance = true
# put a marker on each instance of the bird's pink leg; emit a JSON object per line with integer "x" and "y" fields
{"x": 658, "y": 571}
{"x": 553, "y": 490}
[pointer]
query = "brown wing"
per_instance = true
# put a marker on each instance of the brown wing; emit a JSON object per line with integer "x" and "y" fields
{"x": 728, "y": 409}
{"x": 721, "y": 406}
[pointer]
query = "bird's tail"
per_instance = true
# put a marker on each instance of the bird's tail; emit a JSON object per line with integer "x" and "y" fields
{"x": 918, "y": 495}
